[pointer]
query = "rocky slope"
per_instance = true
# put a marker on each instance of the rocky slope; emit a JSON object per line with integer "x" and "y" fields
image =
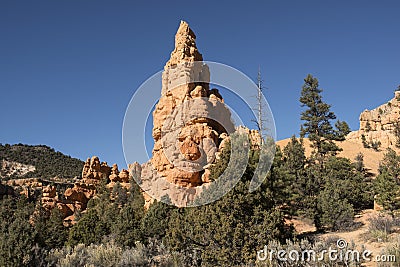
{"x": 14, "y": 169}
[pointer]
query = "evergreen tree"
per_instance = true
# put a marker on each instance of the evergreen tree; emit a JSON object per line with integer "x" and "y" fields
{"x": 294, "y": 155}
{"x": 342, "y": 129}
{"x": 126, "y": 226}
{"x": 359, "y": 163}
{"x": 17, "y": 235}
{"x": 119, "y": 194}
{"x": 90, "y": 229}
{"x": 391, "y": 164}
{"x": 280, "y": 181}
{"x": 51, "y": 233}
{"x": 387, "y": 191}
{"x": 311, "y": 184}
{"x": 335, "y": 211}
{"x": 317, "y": 120}
{"x": 225, "y": 232}
{"x": 156, "y": 220}
{"x": 352, "y": 185}
{"x": 294, "y": 164}
{"x": 349, "y": 188}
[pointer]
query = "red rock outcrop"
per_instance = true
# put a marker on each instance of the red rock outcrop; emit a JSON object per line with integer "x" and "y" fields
{"x": 189, "y": 123}
{"x": 49, "y": 197}
{"x": 124, "y": 176}
{"x": 119, "y": 176}
{"x": 77, "y": 197}
{"x": 114, "y": 176}
{"x": 93, "y": 171}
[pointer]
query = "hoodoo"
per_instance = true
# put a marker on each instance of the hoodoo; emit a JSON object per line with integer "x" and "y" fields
{"x": 189, "y": 123}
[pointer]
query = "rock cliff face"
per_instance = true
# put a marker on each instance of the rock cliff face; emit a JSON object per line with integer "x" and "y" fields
{"x": 377, "y": 125}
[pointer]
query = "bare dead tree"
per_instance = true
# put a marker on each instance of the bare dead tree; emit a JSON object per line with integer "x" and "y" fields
{"x": 260, "y": 121}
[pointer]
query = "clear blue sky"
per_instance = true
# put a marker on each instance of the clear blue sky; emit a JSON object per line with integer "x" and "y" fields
{"x": 69, "y": 68}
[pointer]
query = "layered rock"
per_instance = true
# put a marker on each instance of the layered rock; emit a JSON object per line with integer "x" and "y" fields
{"x": 135, "y": 170}
{"x": 189, "y": 123}
{"x": 377, "y": 125}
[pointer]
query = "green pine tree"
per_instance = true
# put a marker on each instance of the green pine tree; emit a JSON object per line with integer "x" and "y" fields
{"x": 335, "y": 210}
{"x": 387, "y": 191}
{"x": 317, "y": 120}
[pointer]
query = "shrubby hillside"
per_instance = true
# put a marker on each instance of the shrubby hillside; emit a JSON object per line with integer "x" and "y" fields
{"x": 46, "y": 161}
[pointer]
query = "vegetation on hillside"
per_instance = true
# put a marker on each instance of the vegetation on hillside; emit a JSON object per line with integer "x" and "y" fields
{"x": 46, "y": 160}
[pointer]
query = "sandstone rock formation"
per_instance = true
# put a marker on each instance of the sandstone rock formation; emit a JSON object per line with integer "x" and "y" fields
{"x": 119, "y": 176}
{"x": 49, "y": 197}
{"x": 255, "y": 138}
{"x": 135, "y": 170}
{"x": 77, "y": 197}
{"x": 377, "y": 125}
{"x": 183, "y": 132}
{"x": 191, "y": 124}
{"x": 114, "y": 176}
{"x": 93, "y": 171}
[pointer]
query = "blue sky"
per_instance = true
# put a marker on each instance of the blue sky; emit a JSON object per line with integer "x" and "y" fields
{"x": 69, "y": 68}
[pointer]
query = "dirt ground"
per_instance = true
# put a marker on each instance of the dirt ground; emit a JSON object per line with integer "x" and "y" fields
{"x": 357, "y": 236}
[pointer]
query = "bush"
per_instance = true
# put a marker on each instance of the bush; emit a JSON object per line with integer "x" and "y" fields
{"x": 359, "y": 162}
{"x": 336, "y": 213}
{"x": 110, "y": 254}
{"x": 375, "y": 145}
{"x": 392, "y": 250}
{"x": 364, "y": 141}
{"x": 380, "y": 227}
{"x": 387, "y": 190}
{"x": 368, "y": 127}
